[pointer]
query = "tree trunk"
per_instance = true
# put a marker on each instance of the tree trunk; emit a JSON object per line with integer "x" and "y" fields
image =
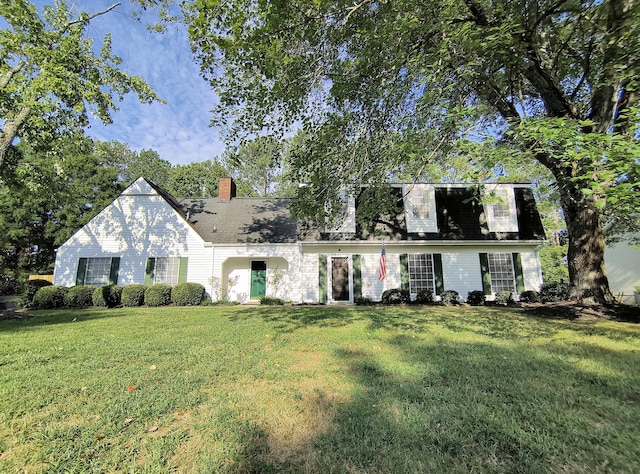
{"x": 585, "y": 255}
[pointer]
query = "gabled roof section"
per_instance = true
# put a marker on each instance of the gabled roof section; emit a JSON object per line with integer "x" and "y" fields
{"x": 241, "y": 220}
{"x": 145, "y": 187}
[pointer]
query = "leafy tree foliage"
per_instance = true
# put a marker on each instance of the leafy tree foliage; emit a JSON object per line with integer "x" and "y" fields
{"x": 544, "y": 80}
{"x": 195, "y": 180}
{"x": 259, "y": 167}
{"x": 46, "y": 197}
{"x": 50, "y": 76}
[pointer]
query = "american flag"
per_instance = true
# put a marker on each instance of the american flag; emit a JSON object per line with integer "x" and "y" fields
{"x": 382, "y": 271}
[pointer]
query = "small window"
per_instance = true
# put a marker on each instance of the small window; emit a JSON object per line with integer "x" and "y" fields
{"x": 420, "y": 205}
{"x": 501, "y": 271}
{"x": 166, "y": 270}
{"x": 420, "y": 208}
{"x": 421, "y": 275}
{"x": 501, "y": 210}
{"x": 98, "y": 271}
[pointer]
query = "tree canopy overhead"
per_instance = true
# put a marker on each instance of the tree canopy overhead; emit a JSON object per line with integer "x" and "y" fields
{"x": 381, "y": 88}
{"x": 50, "y": 76}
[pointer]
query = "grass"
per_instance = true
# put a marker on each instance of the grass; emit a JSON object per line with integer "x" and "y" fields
{"x": 317, "y": 389}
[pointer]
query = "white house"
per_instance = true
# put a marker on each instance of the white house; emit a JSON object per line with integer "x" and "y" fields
{"x": 441, "y": 237}
{"x": 622, "y": 261}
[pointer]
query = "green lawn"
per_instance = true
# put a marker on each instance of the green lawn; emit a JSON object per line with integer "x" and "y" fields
{"x": 318, "y": 389}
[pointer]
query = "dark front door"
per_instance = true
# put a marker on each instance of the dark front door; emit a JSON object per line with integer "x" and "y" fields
{"x": 258, "y": 279}
{"x": 340, "y": 278}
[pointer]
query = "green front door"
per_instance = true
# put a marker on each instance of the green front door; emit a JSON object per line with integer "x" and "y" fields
{"x": 258, "y": 279}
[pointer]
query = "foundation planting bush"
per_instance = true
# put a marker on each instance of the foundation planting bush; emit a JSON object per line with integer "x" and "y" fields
{"x": 133, "y": 295}
{"x": 158, "y": 295}
{"x": 80, "y": 296}
{"x": 476, "y": 298}
{"x": 450, "y": 297}
{"x": 31, "y": 287}
{"x": 424, "y": 297}
{"x": 187, "y": 294}
{"x": 49, "y": 297}
{"x": 107, "y": 296}
{"x": 396, "y": 296}
{"x": 530, "y": 296}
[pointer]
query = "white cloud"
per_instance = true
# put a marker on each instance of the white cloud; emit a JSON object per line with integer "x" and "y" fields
{"x": 178, "y": 130}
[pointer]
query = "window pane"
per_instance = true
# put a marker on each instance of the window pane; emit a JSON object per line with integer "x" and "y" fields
{"x": 420, "y": 204}
{"x": 501, "y": 270}
{"x": 167, "y": 270}
{"x": 420, "y": 272}
{"x": 98, "y": 270}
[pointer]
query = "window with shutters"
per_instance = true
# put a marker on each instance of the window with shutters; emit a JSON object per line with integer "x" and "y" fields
{"x": 167, "y": 270}
{"x": 97, "y": 271}
{"x": 501, "y": 271}
{"x": 421, "y": 275}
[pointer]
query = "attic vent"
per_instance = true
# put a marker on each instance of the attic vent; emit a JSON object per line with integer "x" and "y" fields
{"x": 214, "y": 230}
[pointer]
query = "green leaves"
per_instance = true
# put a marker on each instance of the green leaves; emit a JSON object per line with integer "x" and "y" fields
{"x": 50, "y": 74}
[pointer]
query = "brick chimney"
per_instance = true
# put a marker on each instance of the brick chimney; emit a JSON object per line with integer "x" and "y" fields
{"x": 226, "y": 189}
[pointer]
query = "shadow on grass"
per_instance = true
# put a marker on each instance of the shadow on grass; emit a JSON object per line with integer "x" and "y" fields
{"x": 460, "y": 407}
{"x": 500, "y": 322}
{"x": 28, "y": 319}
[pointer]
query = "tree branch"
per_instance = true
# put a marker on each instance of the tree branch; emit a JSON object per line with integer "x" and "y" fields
{"x": 353, "y": 9}
{"x": 87, "y": 19}
{"x": 4, "y": 81}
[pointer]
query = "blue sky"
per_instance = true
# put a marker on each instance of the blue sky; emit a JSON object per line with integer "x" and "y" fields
{"x": 178, "y": 130}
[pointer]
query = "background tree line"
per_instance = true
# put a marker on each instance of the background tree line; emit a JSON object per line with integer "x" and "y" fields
{"x": 48, "y": 194}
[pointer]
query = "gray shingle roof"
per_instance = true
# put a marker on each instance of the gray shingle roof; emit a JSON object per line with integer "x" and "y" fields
{"x": 241, "y": 220}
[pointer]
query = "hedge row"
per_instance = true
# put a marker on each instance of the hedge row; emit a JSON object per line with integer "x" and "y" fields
{"x": 551, "y": 292}
{"x": 110, "y": 296}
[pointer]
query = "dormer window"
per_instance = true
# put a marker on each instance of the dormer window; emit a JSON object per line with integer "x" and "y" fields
{"x": 420, "y": 205}
{"x": 500, "y": 209}
{"x": 346, "y": 221}
{"x": 420, "y": 208}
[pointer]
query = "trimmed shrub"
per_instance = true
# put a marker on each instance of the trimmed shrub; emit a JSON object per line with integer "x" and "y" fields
{"x": 396, "y": 296}
{"x": 187, "y": 294}
{"x": 530, "y": 296}
{"x": 158, "y": 295}
{"x": 363, "y": 301}
{"x": 504, "y": 297}
{"x": 107, "y": 296}
{"x": 476, "y": 298}
{"x": 31, "y": 287}
{"x": 450, "y": 297}
{"x": 133, "y": 295}
{"x": 49, "y": 297}
{"x": 424, "y": 297}
{"x": 271, "y": 301}
{"x": 554, "y": 292}
{"x": 80, "y": 296}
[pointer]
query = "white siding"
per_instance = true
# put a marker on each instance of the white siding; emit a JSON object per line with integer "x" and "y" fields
{"x": 135, "y": 227}
{"x": 461, "y": 271}
{"x": 622, "y": 262}
{"x": 531, "y": 270}
{"x": 372, "y": 288}
{"x": 460, "y": 267}
{"x": 309, "y": 279}
{"x": 235, "y": 261}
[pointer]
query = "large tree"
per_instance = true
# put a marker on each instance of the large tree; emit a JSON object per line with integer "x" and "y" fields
{"x": 51, "y": 76}
{"x": 259, "y": 166}
{"x": 547, "y": 80}
{"x": 47, "y": 197}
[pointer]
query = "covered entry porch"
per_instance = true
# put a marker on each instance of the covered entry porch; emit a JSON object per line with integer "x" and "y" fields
{"x": 246, "y": 279}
